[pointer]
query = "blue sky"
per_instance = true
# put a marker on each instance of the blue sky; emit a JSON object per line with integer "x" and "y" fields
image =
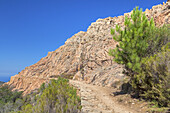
{"x": 29, "y": 29}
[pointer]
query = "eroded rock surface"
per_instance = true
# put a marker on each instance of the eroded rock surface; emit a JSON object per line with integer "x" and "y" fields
{"x": 84, "y": 55}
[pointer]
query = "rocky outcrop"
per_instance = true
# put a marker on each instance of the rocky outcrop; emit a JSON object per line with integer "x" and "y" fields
{"x": 26, "y": 84}
{"x": 84, "y": 55}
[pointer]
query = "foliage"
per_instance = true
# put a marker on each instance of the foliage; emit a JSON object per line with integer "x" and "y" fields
{"x": 144, "y": 50}
{"x": 132, "y": 41}
{"x": 158, "y": 110}
{"x": 158, "y": 38}
{"x": 27, "y": 108}
{"x": 153, "y": 82}
{"x": 9, "y": 100}
{"x": 42, "y": 87}
{"x": 57, "y": 97}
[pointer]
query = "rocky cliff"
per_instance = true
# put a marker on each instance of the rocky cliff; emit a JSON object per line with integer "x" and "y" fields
{"x": 85, "y": 55}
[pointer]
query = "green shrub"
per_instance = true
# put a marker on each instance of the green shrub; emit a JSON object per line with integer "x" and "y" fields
{"x": 9, "y": 100}
{"x": 55, "y": 97}
{"x": 153, "y": 82}
{"x": 27, "y": 108}
{"x": 42, "y": 87}
{"x": 58, "y": 97}
{"x": 158, "y": 38}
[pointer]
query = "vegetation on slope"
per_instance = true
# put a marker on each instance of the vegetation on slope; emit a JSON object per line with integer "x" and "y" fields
{"x": 9, "y": 100}
{"x": 145, "y": 51}
{"x": 153, "y": 82}
{"x": 56, "y": 96}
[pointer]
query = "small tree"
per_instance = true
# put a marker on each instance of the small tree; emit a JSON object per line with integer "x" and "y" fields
{"x": 145, "y": 52}
{"x": 132, "y": 41}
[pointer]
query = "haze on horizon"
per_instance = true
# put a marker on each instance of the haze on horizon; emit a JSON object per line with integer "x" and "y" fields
{"x": 29, "y": 29}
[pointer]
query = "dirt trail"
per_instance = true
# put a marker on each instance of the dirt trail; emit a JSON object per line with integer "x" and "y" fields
{"x": 96, "y": 99}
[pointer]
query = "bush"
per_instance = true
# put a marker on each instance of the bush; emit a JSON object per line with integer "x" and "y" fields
{"x": 27, "y": 108}
{"x": 158, "y": 38}
{"x": 42, "y": 87}
{"x": 58, "y": 97}
{"x": 9, "y": 100}
{"x": 153, "y": 82}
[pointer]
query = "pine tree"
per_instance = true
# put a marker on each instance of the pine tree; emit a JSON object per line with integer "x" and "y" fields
{"x": 144, "y": 50}
{"x": 132, "y": 41}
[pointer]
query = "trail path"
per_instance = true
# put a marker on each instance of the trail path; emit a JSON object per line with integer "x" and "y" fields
{"x": 96, "y": 99}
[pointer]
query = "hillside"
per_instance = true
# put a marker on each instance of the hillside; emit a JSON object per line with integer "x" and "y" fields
{"x": 85, "y": 55}
{"x": 1, "y": 83}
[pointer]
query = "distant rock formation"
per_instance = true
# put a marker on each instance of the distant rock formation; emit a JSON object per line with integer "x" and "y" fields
{"x": 1, "y": 82}
{"x": 85, "y": 55}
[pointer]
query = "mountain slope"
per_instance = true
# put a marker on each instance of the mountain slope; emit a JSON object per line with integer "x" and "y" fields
{"x": 84, "y": 55}
{"x": 1, "y": 83}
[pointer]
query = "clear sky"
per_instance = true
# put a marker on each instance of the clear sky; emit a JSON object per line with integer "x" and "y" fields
{"x": 29, "y": 29}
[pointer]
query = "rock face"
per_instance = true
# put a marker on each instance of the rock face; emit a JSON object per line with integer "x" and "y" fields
{"x": 26, "y": 84}
{"x": 85, "y": 55}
